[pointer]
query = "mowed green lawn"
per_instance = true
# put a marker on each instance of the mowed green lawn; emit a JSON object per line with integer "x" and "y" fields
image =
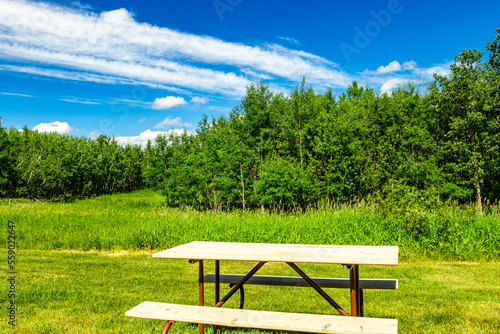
{"x": 89, "y": 292}
{"x": 82, "y": 265}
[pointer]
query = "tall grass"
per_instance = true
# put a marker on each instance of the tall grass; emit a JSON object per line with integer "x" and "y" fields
{"x": 141, "y": 221}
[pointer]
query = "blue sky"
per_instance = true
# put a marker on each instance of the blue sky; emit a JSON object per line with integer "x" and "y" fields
{"x": 135, "y": 69}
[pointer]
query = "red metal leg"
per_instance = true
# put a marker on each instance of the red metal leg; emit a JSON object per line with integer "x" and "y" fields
{"x": 355, "y": 291}
{"x": 167, "y": 327}
{"x": 201, "y": 291}
{"x": 217, "y": 288}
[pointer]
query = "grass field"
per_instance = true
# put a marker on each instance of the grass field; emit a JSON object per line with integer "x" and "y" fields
{"x": 89, "y": 292}
{"x": 81, "y": 265}
{"x": 140, "y": 221}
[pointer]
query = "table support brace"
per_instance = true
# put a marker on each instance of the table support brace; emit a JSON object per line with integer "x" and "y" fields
{"x": 317, "y": 288}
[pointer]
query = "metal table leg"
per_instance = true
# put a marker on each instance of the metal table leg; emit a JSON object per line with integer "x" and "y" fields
{"x": 167, "y": 327}
{"x": 217, "y": 288}
{"x": 201, "y": 290}
{"x": 355, "y": 290}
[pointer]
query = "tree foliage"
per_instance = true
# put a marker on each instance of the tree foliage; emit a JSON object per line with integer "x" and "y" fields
{"x": 292, "y": 151}
{"x": 53, "y": 166}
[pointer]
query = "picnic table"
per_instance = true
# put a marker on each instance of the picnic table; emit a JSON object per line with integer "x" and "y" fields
{"x": 349, "y": 256}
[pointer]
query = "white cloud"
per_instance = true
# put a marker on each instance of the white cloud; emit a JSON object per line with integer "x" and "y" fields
{"x": 389, "y": 85}
{"x": 409, "y": 65}
{"x": 81, "y": 44}
{"x": 393, "y": 66}
{"x": 142, "y": 120}
{"x": 387, "y": 82}
{"x": 143, "y": 138}
{"x": 443, "y": 70}
{"x": 112, "y": 47}
{"x": 168, "y": 102}
{"x": 201, "y": 100}
{"x": 171, "y": 122}
{"x": 94, "y": 135}
{"x": 59, "y": 127}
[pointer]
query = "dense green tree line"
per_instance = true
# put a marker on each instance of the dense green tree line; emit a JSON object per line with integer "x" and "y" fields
{"x": 300, "y": 150}
{"x": 297, "y": 151}
{"x": 52, "y": 166}
{"x": 309, "y": 149}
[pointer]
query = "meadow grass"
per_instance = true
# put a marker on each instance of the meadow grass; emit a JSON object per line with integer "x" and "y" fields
{"x": 140, "y": 221}
{"x": 89, "y": 292}
{"x": 81, "y": 265}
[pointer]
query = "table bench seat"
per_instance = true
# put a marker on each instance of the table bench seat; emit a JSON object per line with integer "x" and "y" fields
{"x": 310, "y": 323}
{"x": 336, "y": 283}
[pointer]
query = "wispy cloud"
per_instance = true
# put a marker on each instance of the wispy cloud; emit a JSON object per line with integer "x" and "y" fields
{"x": 112, "y": 47}
{"x": 131, "y": 103}
{"x": 289, "y": 40}
{"x": 219, "y": 109}
{"x": 255, "y": 76}
{"x": 200, "y": 100}
{"x": 16, "y": 94}
{"x": 76, "y": 100}
{"x": 77, "y": 43}
{"x": 78, "y": 4}
{"x": 81, "y": 76}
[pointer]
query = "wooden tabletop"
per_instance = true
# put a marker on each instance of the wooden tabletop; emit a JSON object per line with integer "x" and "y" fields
{"x": 208, "y": 250}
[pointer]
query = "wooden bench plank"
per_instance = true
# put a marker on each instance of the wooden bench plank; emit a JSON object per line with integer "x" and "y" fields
{"x": 339, "y": 283}
{"x": 239, "y": 251}
{"x": 310, "y": 323}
